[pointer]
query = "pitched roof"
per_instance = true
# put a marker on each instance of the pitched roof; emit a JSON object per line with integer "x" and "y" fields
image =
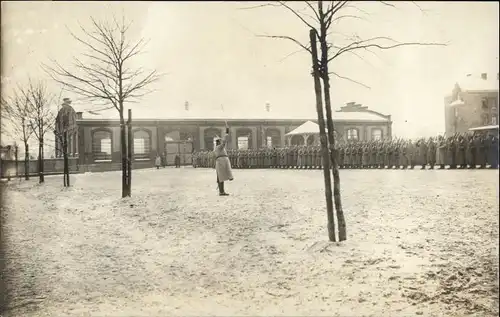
{"x": 235, "y": 114}
{"x": 307, "y": 127}
{"x": 457, "y": 102}
{"x": 476, "y": 83}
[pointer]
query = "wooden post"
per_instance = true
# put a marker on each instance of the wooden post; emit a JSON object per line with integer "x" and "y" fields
{"x": 130, "y": 151}
{"x": 323, "y": 138}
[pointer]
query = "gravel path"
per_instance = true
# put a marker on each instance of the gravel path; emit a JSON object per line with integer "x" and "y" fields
{"x": 419, "y": 243}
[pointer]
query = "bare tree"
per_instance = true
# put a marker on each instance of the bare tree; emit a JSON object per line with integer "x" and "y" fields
{"x": 320, "y": 21}
{"x": 41, "y": 117}
{"x": 322, "y": 134}
{"x": 106, "y": 75}
{"x": 63, "y": 128}
{"x": 17, "y": 111}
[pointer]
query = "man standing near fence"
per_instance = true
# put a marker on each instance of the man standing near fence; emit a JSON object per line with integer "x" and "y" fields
{"x": 222, "y": 163}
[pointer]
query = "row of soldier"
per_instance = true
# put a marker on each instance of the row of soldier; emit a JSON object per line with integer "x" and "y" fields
{"x": 457, "y": 151}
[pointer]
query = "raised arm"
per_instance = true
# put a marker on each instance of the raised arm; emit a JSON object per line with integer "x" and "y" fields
{"x": 225, "y": 139}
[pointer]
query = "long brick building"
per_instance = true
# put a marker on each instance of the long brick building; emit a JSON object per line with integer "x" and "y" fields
{"x": 97, "y": 141}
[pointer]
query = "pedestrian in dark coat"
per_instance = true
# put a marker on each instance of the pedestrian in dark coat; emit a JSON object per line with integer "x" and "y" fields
{"x": 431, "y": 153}
{"x": 493, "y": 151}
{"x": 479, "y": 146}
{"x": 441, "y": 153}
{"x": 471, "y": 152}
{"x": 460, "y": 153}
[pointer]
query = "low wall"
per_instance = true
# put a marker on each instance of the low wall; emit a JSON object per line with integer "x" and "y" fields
{"x": 56, "y": 166}
{"x": 51, "y": 166}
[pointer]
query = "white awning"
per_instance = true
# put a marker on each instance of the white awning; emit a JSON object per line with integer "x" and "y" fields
{"x": 308, "y": 127}
{"x": 486, "y": 127}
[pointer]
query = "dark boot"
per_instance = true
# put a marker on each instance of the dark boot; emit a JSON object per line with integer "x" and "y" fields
{"x": 221, "y": 190}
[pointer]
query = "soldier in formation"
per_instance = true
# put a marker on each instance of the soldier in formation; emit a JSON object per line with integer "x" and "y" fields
{"x": 459, "y": 151}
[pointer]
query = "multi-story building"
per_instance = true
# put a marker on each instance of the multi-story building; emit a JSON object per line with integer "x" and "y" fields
{"x": 97, "y": 141}
{"x": 472, "y": 103}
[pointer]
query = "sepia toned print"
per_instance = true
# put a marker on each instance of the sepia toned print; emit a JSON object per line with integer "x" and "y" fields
{"x": 319, "y": 158}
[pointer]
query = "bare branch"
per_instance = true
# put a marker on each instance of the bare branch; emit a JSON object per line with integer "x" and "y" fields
{"x": 358, "y": 55}
{"x": 419, "y": 7}
{"x": 363, "y": 44}
{"x": 106, "y": 76}
{"x": 348, "y": 16}
{"x": 313, "y": 10}
{"x": 293, "y": 53}
{"x": 298, "y": 16}
{"x": 349, "y": 79}
{"x": 387, "y": 4}
{"x": 283, "y": 37}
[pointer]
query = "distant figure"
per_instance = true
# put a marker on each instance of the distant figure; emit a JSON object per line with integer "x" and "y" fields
{"x": 164, "y": 159}
{"x": 222, "y": 163}
{"x": 177, "y": 161}
{"x": 158, "y": 161}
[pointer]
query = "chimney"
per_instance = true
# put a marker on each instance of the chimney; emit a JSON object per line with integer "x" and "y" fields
{"x": 268, "y": 106}
{"x": 186, "y": 106}
{"x": 79, "y": 115}
{"x": 484, "y": 76}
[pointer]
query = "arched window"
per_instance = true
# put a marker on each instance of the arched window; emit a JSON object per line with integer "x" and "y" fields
{"x": 352, "y": 134}
{"x": 209, "y": 136}
{"x": 297, "y": 140}
{"x": 273, "y": 137}
{"x": 377, "y": 134}
{"x": 142, "y": 145}
{"x": 311, "y": 140}
{"x": 102, "y": 145}
{"x": 244, "y": 138}
{"x": 243, "y": 142}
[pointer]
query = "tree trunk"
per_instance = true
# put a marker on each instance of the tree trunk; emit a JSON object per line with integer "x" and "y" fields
{"x": 331, "y": 137}
{"x": 65, "y": 159}
{"x": 26, "y": 161}
{"x": 123, "y": 145}
{"x": 40, "y": 162}
{"x": 129, "y": 154}
{"x": 16, "y": 149}
{"x": 324, "y": 145}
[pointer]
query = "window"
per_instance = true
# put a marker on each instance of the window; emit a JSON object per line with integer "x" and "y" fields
{"x": 142, "y": 145}
{"x": 269, "y": 141}
{"x": 185, "y": 136}
{"x": 106, "y": 146}
{"x": 494, "y": 120}
{"x": 376, "y": 134}
{"x": 243, "y": 142}
{"x": 352, "y": 134}
{"x": 102, "y": 145}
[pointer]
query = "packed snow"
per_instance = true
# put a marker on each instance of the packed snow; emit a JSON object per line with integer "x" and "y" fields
{"x": 419, "y": 243}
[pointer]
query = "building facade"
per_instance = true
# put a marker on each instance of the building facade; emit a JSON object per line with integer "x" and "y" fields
{"x": 97, "y": 141}
{"x": 472, "y": 103}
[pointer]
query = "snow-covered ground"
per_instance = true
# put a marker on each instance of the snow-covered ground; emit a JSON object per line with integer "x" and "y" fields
{"x": 419, "y": 243}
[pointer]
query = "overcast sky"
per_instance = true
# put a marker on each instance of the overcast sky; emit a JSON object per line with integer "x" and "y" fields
{"x": 211, "y": 55}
